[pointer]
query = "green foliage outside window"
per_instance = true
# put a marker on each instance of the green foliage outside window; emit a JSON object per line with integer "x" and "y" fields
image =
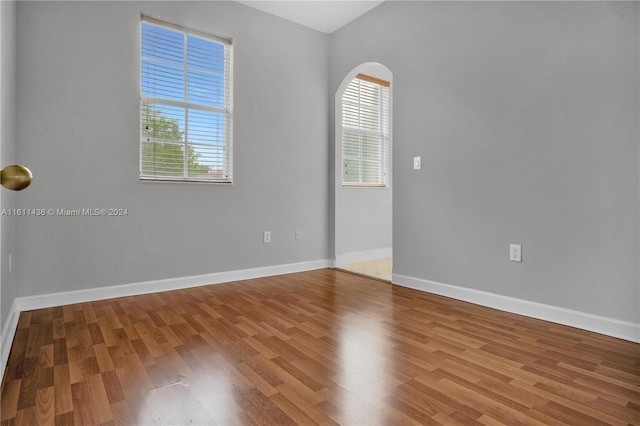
{"x": 166, "y": 158}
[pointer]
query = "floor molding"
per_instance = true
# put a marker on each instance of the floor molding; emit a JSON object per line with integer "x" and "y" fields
{"x": 363, "y": 256}
{"x": 602, "y": 325}
{"x": 42, "y": 301}
{"x": 6, "y": 339}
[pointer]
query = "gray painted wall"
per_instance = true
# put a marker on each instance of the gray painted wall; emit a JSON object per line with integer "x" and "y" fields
{"x": 7, "y": 155}
{"x": 77, "y": 125}
{"x": 363, "y": 219}
{"x": 526, "y": 116}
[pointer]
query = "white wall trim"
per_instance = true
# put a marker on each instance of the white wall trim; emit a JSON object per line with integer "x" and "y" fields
{"x": 363, "y": 256}
{"x": 603, "y": 325}
{"x": 8, "y": 332}
{"x": 21, "y": 304}
{"x": 146, "y": 287}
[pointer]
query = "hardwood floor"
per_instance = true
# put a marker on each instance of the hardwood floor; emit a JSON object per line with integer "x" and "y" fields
{"x": 321, "y": 347}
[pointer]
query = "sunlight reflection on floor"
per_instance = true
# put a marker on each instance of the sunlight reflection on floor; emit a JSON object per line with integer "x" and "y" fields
{"x": 379, "y": 268}
{"x": 366, "y": 371}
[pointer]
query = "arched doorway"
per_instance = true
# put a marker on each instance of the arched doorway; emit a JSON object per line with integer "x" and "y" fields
{"x": 363, "y": 172}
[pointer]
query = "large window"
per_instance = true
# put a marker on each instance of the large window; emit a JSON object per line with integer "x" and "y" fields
{"x": 365, "y": 132}
{"x": 185, "y": 104}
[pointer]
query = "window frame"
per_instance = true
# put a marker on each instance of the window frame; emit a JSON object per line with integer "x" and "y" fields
{"x": 383, "y": 135}
{"x": 226, "y": 111}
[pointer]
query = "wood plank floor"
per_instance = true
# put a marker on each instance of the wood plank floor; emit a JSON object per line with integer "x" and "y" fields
{"x": 321, "y": 347}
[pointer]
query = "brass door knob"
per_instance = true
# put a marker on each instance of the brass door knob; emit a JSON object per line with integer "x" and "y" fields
{"x": 15, "y": 177}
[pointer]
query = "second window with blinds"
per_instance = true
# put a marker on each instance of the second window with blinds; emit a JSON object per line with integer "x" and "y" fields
{"x": 365, "y": 132}
{"x": 185, "y": 104}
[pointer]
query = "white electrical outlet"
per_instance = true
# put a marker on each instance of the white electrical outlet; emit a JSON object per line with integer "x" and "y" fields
{"x": 266, "y": 237}
{"x": 515, "y": 252}
{"x": 416, "y": 163}
{"x": 298, "y": 235}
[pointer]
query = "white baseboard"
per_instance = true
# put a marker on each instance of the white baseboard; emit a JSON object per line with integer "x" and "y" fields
{"x": 42, "y": 301}
{"x": 6, "y": 339}
{"x": 602, "y": 325}
{"x": 155, "y": 286}
{"x": 363, "y": 256}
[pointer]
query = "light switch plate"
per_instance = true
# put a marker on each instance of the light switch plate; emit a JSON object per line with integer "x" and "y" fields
{"x": 416, "y": 163}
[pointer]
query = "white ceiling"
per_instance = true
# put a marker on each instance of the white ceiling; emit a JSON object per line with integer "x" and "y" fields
{"x": 322, "y": 15}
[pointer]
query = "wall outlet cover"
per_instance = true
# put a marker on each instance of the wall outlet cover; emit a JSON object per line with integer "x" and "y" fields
{"x": 515, "y": 252}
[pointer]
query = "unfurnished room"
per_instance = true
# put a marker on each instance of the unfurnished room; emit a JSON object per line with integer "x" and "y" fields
{"x": 320, "y": 212}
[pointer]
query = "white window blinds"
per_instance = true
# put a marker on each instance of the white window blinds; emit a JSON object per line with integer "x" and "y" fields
{"x": 365, "y": 132}
{"x": 185, "y": 104}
